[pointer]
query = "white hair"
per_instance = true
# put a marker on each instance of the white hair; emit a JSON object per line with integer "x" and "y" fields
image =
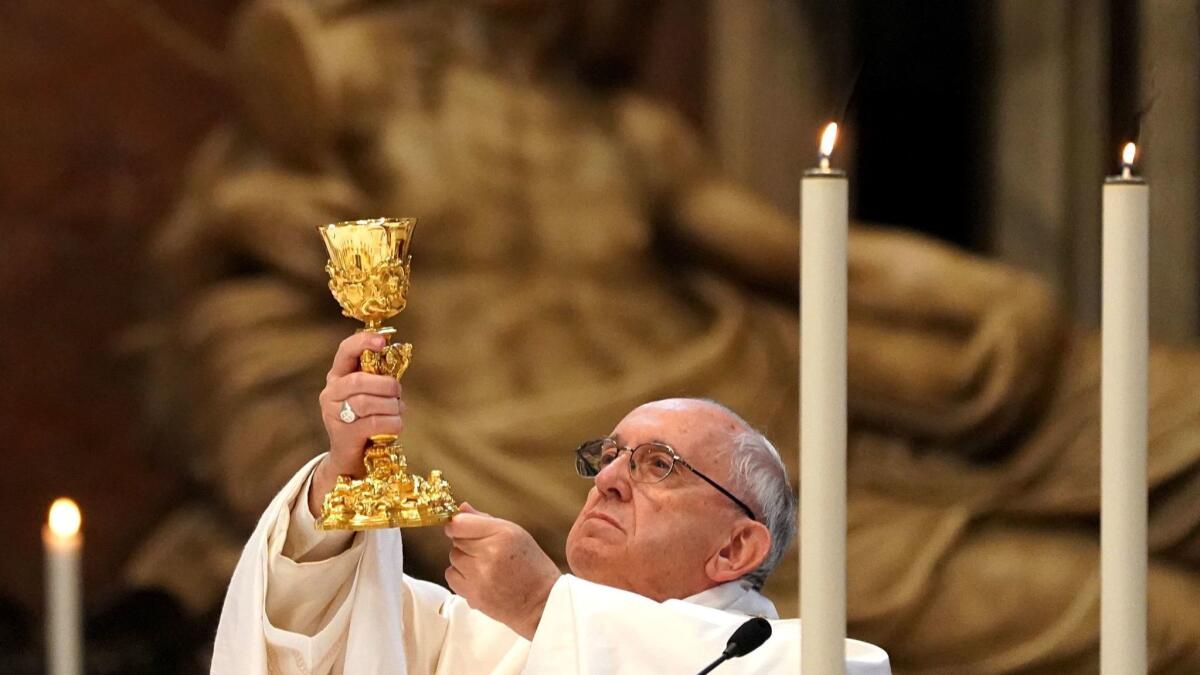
{"x": 760, "y": 477}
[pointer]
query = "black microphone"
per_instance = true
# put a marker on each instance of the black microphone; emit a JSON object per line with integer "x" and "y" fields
{"x": 748, "y": 637}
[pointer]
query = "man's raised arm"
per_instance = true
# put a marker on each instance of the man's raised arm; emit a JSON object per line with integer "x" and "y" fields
{"x": 302, "y": 600}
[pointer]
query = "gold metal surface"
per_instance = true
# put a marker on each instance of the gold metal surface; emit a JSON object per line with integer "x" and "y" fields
{"x": 368, "y": 267}
{"x": 368, "y": 275}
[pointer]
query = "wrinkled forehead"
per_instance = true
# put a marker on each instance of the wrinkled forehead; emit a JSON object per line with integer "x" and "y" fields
{"x": 700, "y": 431}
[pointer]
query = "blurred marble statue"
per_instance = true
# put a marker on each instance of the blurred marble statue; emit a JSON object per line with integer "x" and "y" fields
{"x": 545, "y": 306}
{"x": 548, "y": 306}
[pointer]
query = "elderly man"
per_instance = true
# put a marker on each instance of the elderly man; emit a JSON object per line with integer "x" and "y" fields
{"x": 691, "y": 510}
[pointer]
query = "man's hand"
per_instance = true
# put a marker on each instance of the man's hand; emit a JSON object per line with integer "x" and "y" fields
{"x": 499, "y": 569}
{"x": 375, "y": 399}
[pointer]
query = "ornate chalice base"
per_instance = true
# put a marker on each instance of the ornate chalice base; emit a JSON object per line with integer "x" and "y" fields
{"x": 387, "y": 496}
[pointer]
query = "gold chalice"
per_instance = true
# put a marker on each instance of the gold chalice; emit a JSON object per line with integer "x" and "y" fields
{"x": 368, "y": 274}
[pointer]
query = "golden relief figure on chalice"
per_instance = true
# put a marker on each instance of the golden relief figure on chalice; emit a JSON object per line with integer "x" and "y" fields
{"x": 368, "y": 270}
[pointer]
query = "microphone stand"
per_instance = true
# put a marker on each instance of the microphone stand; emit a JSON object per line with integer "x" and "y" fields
{"x": 748, "y": 637}
{"x": 709, "y": 668}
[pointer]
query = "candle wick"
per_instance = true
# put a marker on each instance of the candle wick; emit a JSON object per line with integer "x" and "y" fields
{"x": 824, "y": 163}
{"x": 1126, "y": 171}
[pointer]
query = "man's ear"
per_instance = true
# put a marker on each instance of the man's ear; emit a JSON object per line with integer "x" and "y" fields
{"x": 746, "y": 549}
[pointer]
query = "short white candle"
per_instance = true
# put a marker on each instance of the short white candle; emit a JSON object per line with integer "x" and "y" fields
{"x": 823, "y": 221}
{"x": 1123, "y": 401}
{"x": 63, "y": 543}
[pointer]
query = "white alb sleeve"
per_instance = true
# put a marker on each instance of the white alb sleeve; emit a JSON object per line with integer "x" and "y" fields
{"x": 305, "y": 543}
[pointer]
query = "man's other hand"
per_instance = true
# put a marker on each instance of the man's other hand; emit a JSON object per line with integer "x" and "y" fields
{"x": 498, "y": 568}
{"x": 375, "y": 400}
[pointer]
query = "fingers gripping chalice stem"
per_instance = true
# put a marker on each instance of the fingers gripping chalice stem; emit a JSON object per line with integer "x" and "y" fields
{"x": 368, "y": 275}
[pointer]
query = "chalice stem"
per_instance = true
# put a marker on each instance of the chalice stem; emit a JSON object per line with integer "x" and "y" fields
{"x": 382, "y": 456}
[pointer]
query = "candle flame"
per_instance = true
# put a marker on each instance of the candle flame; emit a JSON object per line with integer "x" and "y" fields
{"x": 65, "y": 518}
{"x": 828, "y": 138}
{"x": 1128, "y": 154}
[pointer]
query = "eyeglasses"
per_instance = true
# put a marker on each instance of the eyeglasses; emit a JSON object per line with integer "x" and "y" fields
{"x": 648, "y": 463}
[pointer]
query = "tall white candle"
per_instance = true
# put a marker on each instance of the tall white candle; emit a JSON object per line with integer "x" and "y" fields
{"x": 823, "y": 222}
{"x": 63, "y": 543}
{"x": 1123, "y": 543}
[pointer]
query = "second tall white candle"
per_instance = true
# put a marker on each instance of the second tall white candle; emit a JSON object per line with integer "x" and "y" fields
{"x": 823, "y": 222}
{"x": 1123, "y": 401}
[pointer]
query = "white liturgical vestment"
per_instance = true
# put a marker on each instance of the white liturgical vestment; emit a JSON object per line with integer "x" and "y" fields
{"x": 303, "y": 601}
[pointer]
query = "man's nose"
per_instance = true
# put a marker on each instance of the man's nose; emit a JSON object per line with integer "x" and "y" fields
{"x": 614, "y": 481}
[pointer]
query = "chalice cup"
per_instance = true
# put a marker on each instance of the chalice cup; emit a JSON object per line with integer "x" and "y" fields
{"x": 368, "y": 275}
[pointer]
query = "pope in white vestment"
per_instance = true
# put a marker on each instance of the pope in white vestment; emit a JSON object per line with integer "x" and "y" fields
{"x": 306, "y": 601}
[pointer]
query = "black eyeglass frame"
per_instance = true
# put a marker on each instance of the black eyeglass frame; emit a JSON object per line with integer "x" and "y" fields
{"x": 587, "y": 469}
